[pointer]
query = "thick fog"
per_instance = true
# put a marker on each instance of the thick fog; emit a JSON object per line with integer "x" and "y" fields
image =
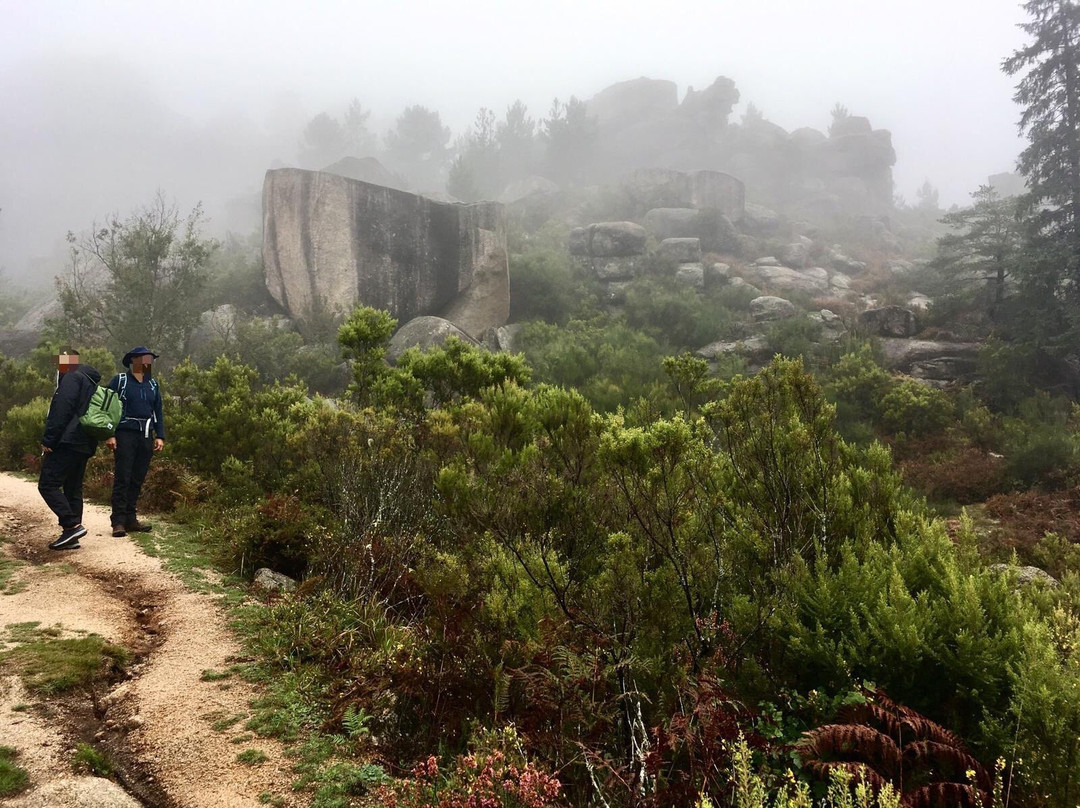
{"x": 103, "y": 103}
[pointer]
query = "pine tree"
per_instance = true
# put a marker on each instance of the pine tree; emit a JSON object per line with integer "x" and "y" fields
{"x": 1049, "y": 92}
{"x": 985, "y": 247}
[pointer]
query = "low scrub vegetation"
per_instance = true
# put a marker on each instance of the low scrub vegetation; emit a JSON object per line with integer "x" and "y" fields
{"x": 583, "y": 574}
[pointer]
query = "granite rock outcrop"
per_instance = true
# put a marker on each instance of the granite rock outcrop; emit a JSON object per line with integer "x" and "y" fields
{"x": 331, "y": 243}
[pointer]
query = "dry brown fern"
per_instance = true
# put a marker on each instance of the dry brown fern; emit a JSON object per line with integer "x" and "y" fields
{"x": 852, "y": 743}
{"x": 883, "y": 741}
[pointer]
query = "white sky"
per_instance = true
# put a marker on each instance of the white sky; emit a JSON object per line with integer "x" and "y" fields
{"x": 102, "y": 102}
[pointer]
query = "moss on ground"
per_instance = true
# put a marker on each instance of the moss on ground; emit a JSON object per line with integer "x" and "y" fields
{"x": 50, "y": 665}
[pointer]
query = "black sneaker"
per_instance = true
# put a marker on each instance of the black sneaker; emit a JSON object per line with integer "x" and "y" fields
{"x": 69, "y": 539}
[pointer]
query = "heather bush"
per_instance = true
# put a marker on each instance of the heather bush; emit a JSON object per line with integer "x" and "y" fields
{"x": 913, "y": 615}
{"x": 223, "y": 413}
{"x": 607, "y": 362}
{"x": 915, "y": 410}
{"x": 280, "y": 532}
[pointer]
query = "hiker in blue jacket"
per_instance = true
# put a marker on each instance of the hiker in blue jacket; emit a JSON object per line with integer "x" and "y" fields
{"x": 141, "y": 433}
{"x": 66, "y": 448}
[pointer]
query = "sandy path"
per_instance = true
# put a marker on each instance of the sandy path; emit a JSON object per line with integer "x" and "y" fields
{"x": 112, "y": 588}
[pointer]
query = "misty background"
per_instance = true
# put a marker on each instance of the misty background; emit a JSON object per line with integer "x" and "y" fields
{"x": 104, "y": 103}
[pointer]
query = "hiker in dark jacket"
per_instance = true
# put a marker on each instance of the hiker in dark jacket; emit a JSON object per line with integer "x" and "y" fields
{"x": 141, "y": 433}
{"x": 66, "y": 448}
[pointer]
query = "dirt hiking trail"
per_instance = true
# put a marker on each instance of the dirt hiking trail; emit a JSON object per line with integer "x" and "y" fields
{"x": 156, "y": 725}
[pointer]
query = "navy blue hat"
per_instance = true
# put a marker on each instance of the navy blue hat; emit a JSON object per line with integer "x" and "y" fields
{"x": 140, "y": 351}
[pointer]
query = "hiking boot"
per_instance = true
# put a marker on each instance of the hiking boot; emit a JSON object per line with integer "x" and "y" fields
{"x": 118, "y": 531}
{"x": 137, "y": 527}
{"x": 69, "y": 539}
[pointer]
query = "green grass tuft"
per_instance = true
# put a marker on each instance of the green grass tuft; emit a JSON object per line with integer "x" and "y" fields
{"x": 252, "y": 757}
{"x": 227, "y": 722}
{"x": 13, "y": 778}
{"x": 90, "y": 759}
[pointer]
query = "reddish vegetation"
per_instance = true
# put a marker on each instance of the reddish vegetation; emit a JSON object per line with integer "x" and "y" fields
{"x": 1024, "y": 518}
{"x": 964, "y": 475}
{"x": 884, "y": 742}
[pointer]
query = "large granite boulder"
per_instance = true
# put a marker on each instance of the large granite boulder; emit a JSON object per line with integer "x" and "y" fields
{"x": 795, "y": 255}
{"x": 501, "y": 339}
{"x": 932, "y": 361}
{"x": 424, "y": 333}
{"x": 784, "y": 279}
{"x": 889, "y": 321}
{"x": 760, "y": 220}
{"x": 649, "y": 188}
{"x": 832, "y": 327}
{"x": 713, "y": 229}
{"x": 768, "y": 308}
{"x": 332, "y": 243}
{"x": 692, "y": 275}
{"x": 682, "y": 250}
{"x": 633, "y": 101}
{"x": 608, "y": 240}
{"x": 754, "y": 349}
{"x": 710, "y": 107}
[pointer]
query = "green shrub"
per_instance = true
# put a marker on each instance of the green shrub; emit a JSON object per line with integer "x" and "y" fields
{"x": 451, "y": 371}
{"x": 915, "y": 409}
{"x": 915, "y": 617}
{"x": 279, "y": 533}
{"x": 101, "y": 359}
{"x": 677, "y": 315}
{"x": 858, "y": 383}
{"x": 1042, "y": 443}
{"x": 20, "y": 383}
{"x": 222, "y": 412}
{"x": 544, "y": 286}
{"x": 608, "y": 362}
{"x": 795, "y": 337}
{"x": 20, "y": 438}
{"x": 275, "y": 351}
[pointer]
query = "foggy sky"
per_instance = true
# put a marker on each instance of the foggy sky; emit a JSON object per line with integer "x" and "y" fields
{"x": 102, "y": 103}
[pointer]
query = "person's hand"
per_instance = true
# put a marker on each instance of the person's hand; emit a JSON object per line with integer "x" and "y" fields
{"x": 159, "y": 444}
{"x": 111, "y": 443}
{"x": 45, "y": 449}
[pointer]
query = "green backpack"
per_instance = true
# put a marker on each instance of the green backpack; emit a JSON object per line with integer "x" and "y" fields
{"x": 102, "y": 416}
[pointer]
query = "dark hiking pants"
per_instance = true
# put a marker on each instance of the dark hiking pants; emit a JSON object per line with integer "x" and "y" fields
{"x": 60, "y": 484}
{"x": 133, "y": 453}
